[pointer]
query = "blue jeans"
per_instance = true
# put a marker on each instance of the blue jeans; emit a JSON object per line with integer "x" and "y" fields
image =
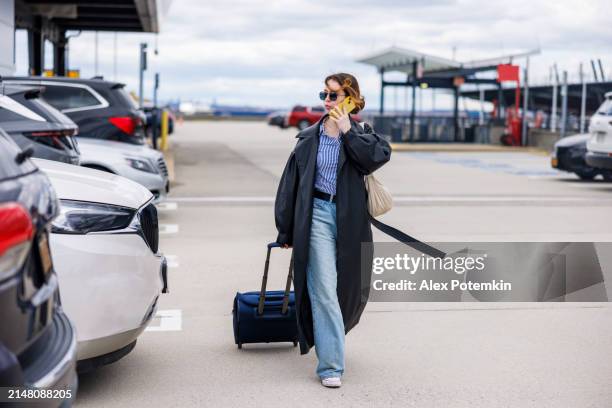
{"x": 321, "y": 279}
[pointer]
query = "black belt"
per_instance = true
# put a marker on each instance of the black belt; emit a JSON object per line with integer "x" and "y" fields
{"x": 324, "y": 196}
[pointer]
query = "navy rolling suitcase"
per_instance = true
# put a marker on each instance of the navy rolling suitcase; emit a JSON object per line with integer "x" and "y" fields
{"x": 266, "y": 317}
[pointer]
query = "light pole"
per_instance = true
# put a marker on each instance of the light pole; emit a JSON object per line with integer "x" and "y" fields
{"x": 553, "y": 110}
{"x": 143, "y": 68}
{"x": 156, "y": 113}
{"x": 524, "y": 128}
{"x": 582, "y": 100}
{"x": 564, "y": 105}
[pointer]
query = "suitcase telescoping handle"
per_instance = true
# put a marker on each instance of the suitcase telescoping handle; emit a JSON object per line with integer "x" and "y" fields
{"x": 264, "y": 281}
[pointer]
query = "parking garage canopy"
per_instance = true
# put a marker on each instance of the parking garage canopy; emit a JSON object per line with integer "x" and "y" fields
{"x": 402, "y": 60}
{"x": 431, "y": 71}
{"x": 91, "y": 15}
{"x": 50, "y": 19}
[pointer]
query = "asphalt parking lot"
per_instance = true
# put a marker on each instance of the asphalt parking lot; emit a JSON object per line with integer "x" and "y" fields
{"x": 214, "y": 227}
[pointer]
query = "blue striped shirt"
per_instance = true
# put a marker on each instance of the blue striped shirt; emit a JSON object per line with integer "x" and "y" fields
{"x": 327, "y": 162}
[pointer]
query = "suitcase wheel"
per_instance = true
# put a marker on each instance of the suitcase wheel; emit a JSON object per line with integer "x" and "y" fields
{"x": 239, "y": 345}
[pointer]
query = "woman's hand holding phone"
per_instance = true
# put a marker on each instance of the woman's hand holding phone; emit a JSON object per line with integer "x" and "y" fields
{"x": 340, "y": 115}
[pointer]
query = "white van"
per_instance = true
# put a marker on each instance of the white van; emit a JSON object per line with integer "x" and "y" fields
{"x": 599, "y": 146}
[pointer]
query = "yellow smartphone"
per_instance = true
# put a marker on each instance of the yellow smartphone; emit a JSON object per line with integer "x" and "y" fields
{"x": 347, "y": 104}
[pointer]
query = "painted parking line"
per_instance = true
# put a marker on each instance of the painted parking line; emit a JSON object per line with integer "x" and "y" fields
{"x": 167, "y": 320}
{"x": 418, "y": 199}
{"x": 172, "y": 261}
{"x": 522, "y": 199}
{"x": 167, "y": 229}
{"x": 167, "y": 206}
{"x": 496, "y": 163}
{"x": 225, "y": 199}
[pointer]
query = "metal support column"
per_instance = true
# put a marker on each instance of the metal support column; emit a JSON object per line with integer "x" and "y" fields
{"x": 564, "y": 105}
{"x": 583, "y": 100}
{"x": 142, "y": 69}
{"x": 156, "y": 112}
{"x": 594, "y": 71}
{"x": 524, "y": 127}
{"x": 500, "y": 101}
{"x": 59, "y": 55}
{"x": 481, "y": 111}
{"x": 382, "y": 91}
{"x": 456, "y": 115}
{"x": 601, "y": 70}
{"x": 36, "y": 47}
{"x": 553, "y": 109}
{"x": 413, "y": 106}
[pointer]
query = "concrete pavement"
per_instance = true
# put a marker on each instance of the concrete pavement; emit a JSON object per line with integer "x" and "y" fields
{"x": 401, "y": 354}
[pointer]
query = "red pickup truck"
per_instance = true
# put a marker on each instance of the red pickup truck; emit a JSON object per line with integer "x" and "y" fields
{"x": 302, "y": 116}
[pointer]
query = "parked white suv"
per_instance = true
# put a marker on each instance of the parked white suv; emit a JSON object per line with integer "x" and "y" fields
{"x": 139, "y": 163}
{"x": 599, "y": 146}
{"x": 104, "y": 246}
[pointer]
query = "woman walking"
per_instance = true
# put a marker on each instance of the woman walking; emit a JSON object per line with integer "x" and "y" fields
{"x": 321, "y": 211}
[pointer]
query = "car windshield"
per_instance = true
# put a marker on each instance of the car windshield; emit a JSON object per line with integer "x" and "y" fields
{"x": 605, "y": 108}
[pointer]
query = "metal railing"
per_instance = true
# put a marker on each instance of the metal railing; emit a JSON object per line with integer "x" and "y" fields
{"x": 430, "y": 129}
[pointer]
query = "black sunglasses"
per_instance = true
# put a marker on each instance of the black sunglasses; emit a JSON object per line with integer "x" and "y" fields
{"x": 332, "y": 95}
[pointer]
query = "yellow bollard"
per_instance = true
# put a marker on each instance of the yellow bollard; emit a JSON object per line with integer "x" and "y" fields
{"x": 164, "y": 130}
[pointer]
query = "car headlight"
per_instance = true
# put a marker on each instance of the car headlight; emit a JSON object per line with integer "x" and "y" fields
{"x": 80, "y": 217}
{"x": 141, "y": 165}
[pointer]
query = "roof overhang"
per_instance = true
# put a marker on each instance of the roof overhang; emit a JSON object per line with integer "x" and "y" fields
{"x": 90, "y": 15}
{"x": 402, "y": 60}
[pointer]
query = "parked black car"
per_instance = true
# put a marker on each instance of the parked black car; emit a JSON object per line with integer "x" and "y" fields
{"x": 278, "y": 119}
{"x": 38, "y": 346}
{"x": 31, "y": 122}
{"x": 101, "y": 109}
{"x": 569, "y": 155}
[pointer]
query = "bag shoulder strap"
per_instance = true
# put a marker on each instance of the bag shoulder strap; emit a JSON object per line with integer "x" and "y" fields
{"x": 407, "y": 239}
{"x": 401, "y": 236}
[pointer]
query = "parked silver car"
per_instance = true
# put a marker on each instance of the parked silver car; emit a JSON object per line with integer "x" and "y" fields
{"x": 139, "y": 163}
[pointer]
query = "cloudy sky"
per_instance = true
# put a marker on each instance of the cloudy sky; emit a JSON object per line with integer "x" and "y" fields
{"x": 275, "y": 53}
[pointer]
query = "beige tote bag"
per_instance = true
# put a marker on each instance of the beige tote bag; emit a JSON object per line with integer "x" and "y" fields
{"x": 380, "y": 200}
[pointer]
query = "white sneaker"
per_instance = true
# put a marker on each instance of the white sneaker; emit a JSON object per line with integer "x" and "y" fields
{"x": 331, "y": 382}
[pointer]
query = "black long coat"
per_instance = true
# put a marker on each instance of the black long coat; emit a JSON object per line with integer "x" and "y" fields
{"x": 361, "y": 153}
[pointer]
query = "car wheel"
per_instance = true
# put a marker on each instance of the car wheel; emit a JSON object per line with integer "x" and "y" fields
{"x": 607, "y": 177}
{"x": 303, "y": 124}
{"x": 586, "y": 176}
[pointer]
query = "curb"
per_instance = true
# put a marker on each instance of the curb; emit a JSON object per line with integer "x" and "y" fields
{"x": 169, "y": 157}
{"x": 464, "y": 148}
